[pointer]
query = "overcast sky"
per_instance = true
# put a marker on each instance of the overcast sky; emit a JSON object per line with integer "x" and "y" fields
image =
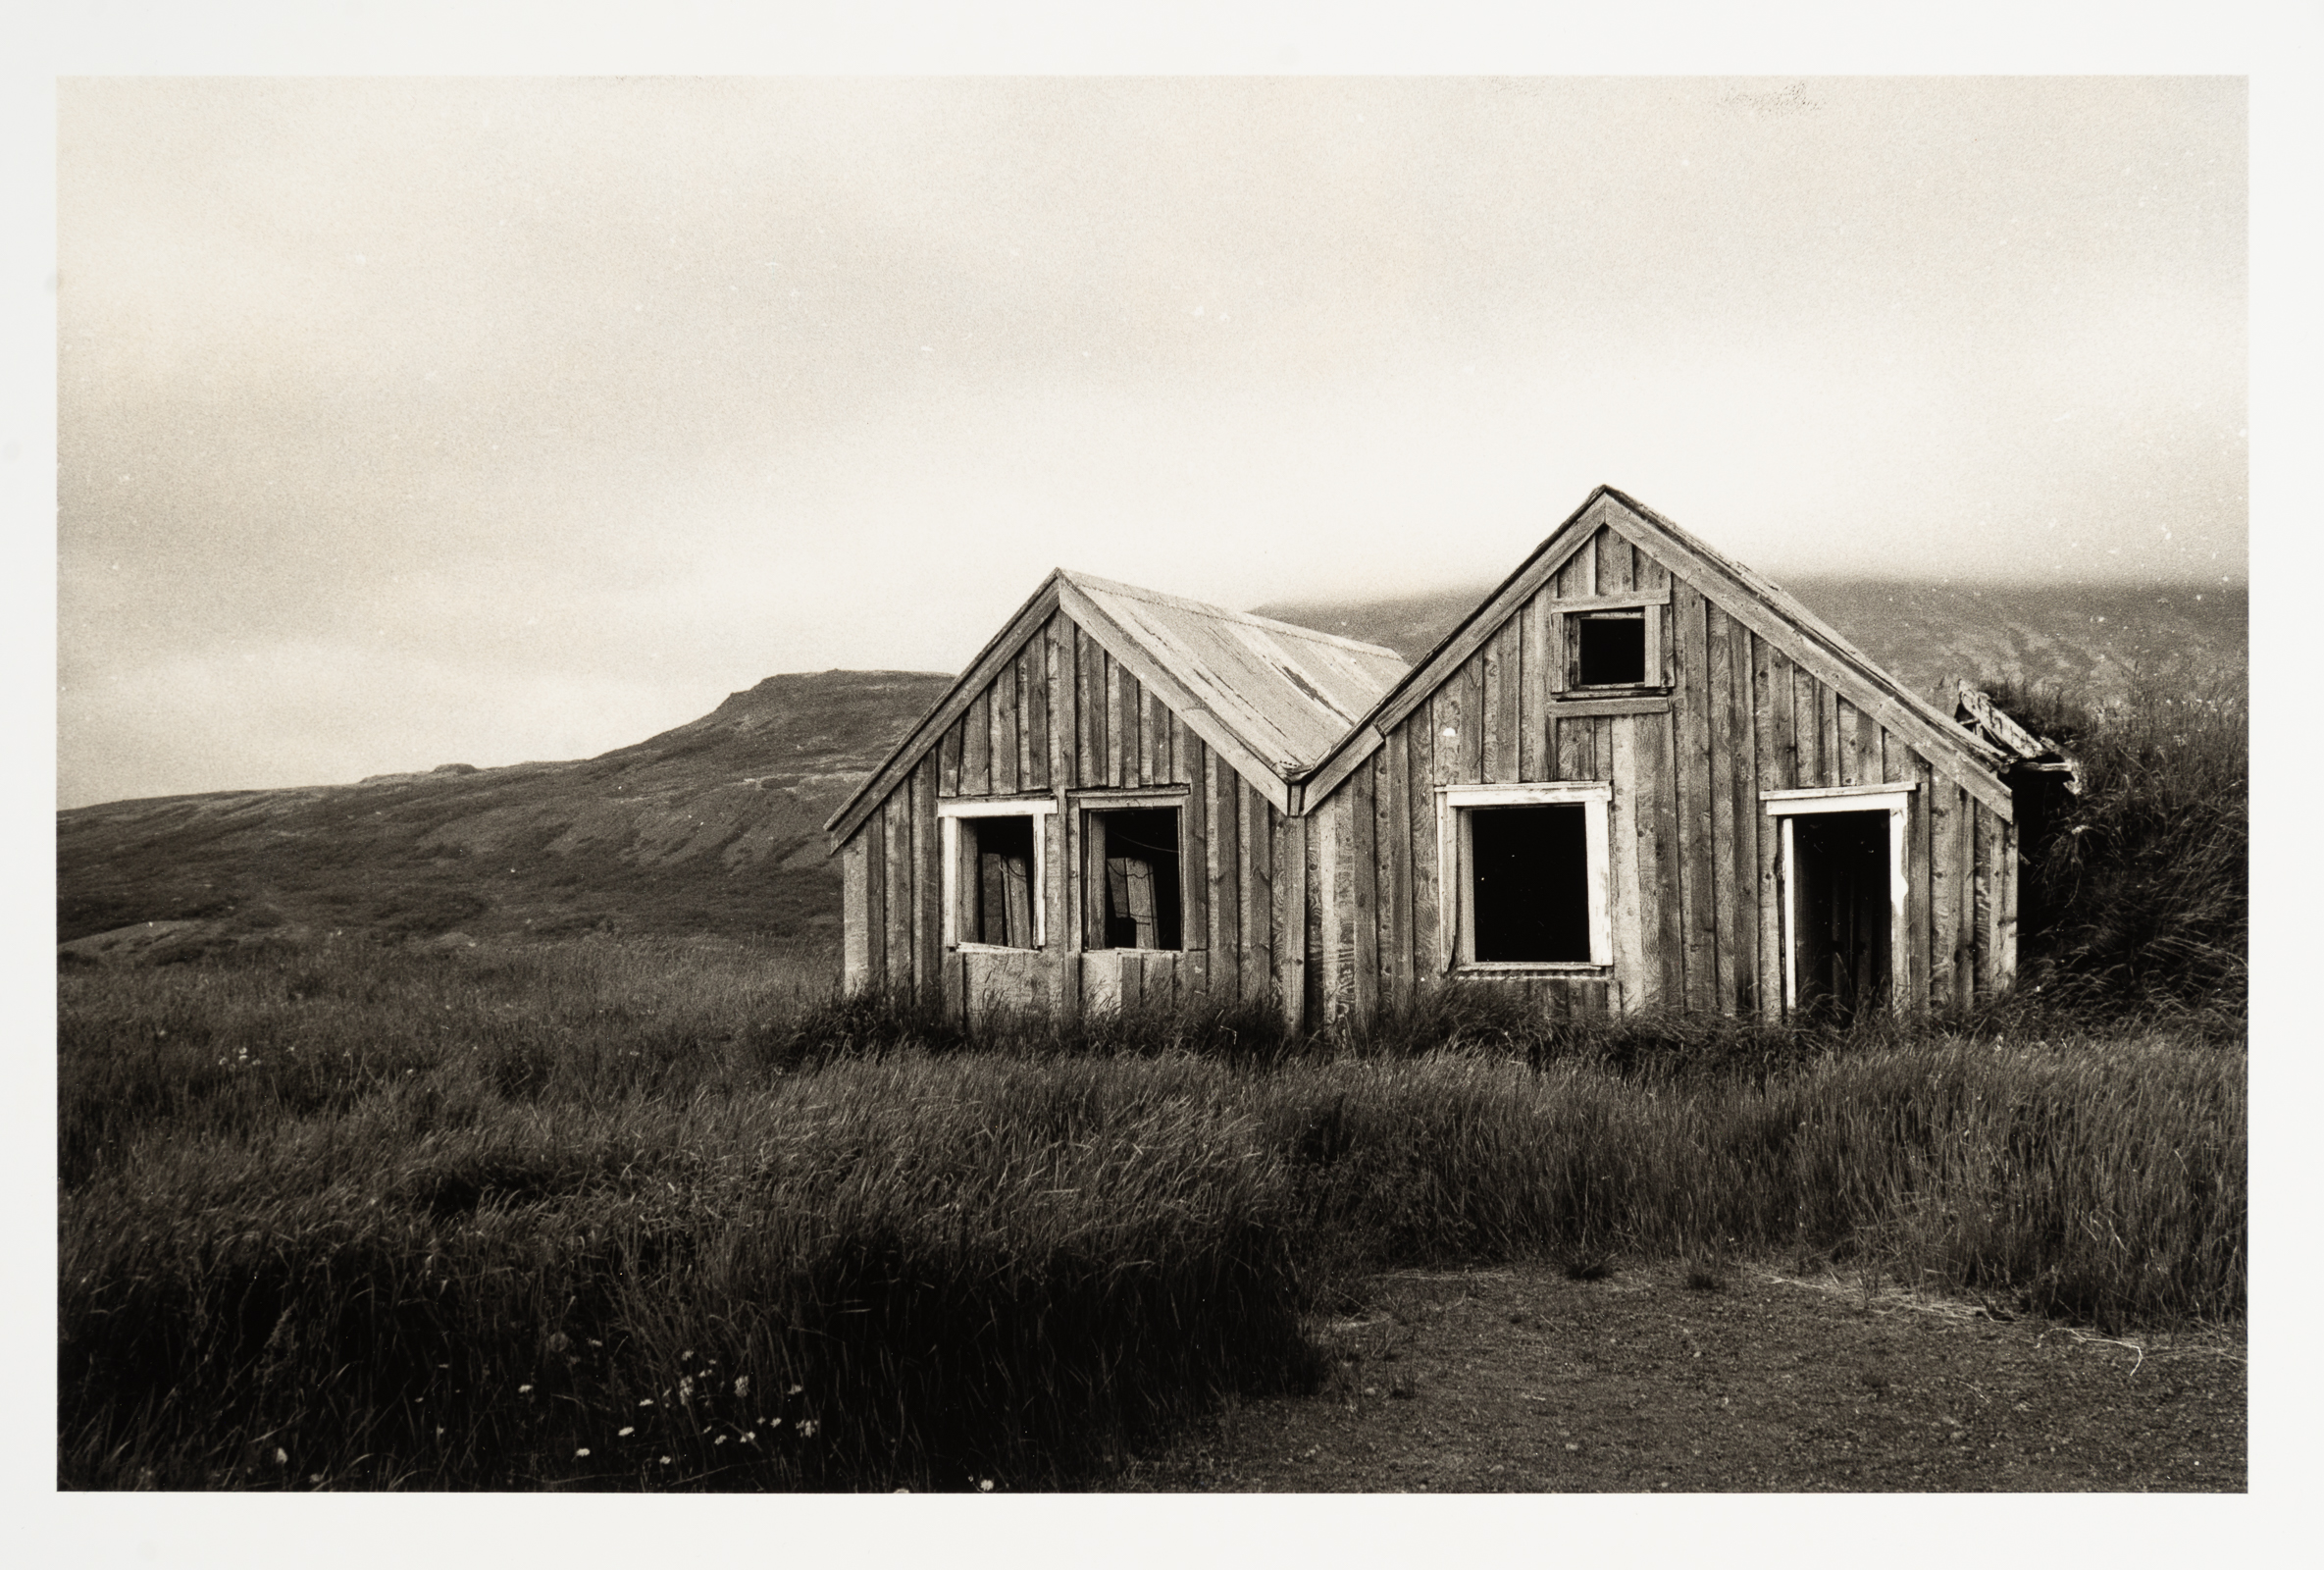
{"x": 406, "y": 422}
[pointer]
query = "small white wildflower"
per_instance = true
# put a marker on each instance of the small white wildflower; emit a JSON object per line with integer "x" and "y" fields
{"x": 750, "y": 1438}
{"x": 741, "y": 1384}
{"x": 796, "y": 1390}
{"x": 985, "y": 1486}
{"x": 283, "y": 1456}
{"x": 625, "y": 1433}
{"x": 524, "y": 1390}
{"x": 578, "y": 1454}
{"x": 721, "y": 1440}
{"x": 648, "y": 1401}
{"x": 806, "y": 1428}
{"x": 686, "y": 1388}
{"x": 683, "y": 1356}
{"x": 665, "y": 1460}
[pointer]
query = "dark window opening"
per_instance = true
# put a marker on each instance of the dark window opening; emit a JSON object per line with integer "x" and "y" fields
{"x": 1610, "y": 650}
{"x": 1528, "y": 869}
{"x": 1000, "y": 850}
{"x": 1841, "y": 913}
{"x": 1133, "y": 878}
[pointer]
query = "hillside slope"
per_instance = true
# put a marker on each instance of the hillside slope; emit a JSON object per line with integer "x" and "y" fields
{"x": 714, "y": 826}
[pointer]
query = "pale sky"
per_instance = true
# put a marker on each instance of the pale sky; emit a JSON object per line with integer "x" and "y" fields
{"x": 412, "y": 421}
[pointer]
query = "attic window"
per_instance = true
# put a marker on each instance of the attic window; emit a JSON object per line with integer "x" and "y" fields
{"x": 1610, "y": 649}
{"x": 1133, "y": 878}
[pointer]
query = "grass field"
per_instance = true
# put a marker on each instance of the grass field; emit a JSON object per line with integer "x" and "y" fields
{"x": 665, "y": 1215}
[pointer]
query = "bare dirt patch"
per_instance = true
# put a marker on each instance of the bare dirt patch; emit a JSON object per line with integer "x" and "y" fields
{"x": 1523, "y": 1380}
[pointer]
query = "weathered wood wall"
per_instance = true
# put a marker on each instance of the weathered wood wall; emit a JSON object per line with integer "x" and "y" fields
{"x": 1061, "y": 717}
{"x": 1692, "y": 886}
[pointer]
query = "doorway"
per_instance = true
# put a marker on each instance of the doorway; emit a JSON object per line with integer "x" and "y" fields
{"x": 1841, "y": 923}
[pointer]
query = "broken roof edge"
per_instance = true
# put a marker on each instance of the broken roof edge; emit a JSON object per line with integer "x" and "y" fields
{"x": 1129, "y": 591}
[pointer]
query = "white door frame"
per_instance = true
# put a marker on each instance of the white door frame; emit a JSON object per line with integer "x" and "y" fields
{"x": 1896, "y": 800}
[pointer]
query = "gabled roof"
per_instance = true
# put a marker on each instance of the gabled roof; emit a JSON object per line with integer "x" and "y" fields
{"x": 1267, "y": 697}
{"x": 1770, "y": 612}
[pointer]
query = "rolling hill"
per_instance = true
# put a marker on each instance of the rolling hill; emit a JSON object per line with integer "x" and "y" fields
{"x": 715, "y": 827}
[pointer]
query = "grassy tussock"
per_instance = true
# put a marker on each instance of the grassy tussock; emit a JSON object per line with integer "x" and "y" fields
{"x": 403, "y": 1220}
{"x": 2147, "y": 881}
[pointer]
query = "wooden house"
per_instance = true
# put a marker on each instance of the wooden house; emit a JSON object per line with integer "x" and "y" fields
{"x": 1637, "y": 776}
{"x": 1102, "y": 808}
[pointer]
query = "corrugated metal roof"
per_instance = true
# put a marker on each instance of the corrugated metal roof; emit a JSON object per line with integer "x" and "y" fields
{"x": 1286, "y": 693}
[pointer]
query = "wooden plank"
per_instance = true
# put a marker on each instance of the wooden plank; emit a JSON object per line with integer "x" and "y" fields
{"x": 1538, "y": 743}
{"x": 1577, "y": 578}
{"x": 1064, "y": 706}
{"x": 1692, "y": 802}
{"x": 1394, "y": 843}
{"x": 1502, "y": 680}
{"x": 1724, "y": 758}
{"x": 1630, "y": 843}
{"x": 1292, "y": 874}
{"x": 1258, "y": 854}
{"x": 1947, "y": 859}
{"x": 1467, "y": 744}
{"x": 1006, "y": 775}
{"x": 1743, "y": 785}
{"x": 1984, "y": 912}
{"x": 1116, "y": 718}
{"x": 948, "y": 752}
{"x": 1860, "y": 746}
{"x": 1331, "y": 963}
{"x": 1089, "y": 766}
{"x": 1040, "y": 677}
{"x": 976, "y": 747}
{"x": 1667, "y": 940}
{"x": 896, "y": 816}
{"x": 1578, "y": 750}
{"x": 874, "y": 835}
{"x": 1222, "y": 864}
{"x": 927, "y": 877}
{"x": 1628, "y": 600}
{"x": 1828, "y": 744}
{"x": 1771, "y": 723}
{"x": 854, "y": 914}
{"x": 1807, "y": 730}
{"x": 1419, "y": 848}
{"x": 1154, "y": 739}
{"x": 1615, "y": 562}
{"x": 2006, "y": 939}
{"x": 1194, "y": 890}
{"x": 1056, "y": 889}
{"x": 1364, "y": 874}
{"x": 1902, "y": 763}
{"x": 1609, "y": 708}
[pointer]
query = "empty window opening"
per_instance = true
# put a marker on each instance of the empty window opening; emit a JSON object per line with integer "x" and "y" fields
{"x": 1840, "y": 916}
{"x": 999, "y": 853}
{"x": 1610, "y": 649}
{"x": 1133, "y": 878}
{"x": 1528, "y": 869}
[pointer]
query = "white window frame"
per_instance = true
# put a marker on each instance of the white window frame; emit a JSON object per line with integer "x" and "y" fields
{"x": 1894, "y": 798}
{"x": 1121, "y": 799}
{"x": 1652, "y": 604}
{"x": 948, "y": 817}
{"x": 1456, "y": 914}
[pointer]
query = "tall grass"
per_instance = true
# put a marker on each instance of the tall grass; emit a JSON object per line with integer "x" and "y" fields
{"x": 398, "y": 1220}
{"x": 2145, "y": 882}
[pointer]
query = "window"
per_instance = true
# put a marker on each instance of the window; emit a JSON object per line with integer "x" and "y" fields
{"x": 1131, "y": 883}
{"x": 1614, "y": 644}
{"x": 1530, "y": 873}
{"x": 994, "y": 874}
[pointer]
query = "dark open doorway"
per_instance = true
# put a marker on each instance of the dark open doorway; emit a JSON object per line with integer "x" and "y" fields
{"x": 1839, "y": 913}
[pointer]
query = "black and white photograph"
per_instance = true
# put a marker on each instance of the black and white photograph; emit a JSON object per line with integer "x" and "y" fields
{"x": 1151, "y": 782}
